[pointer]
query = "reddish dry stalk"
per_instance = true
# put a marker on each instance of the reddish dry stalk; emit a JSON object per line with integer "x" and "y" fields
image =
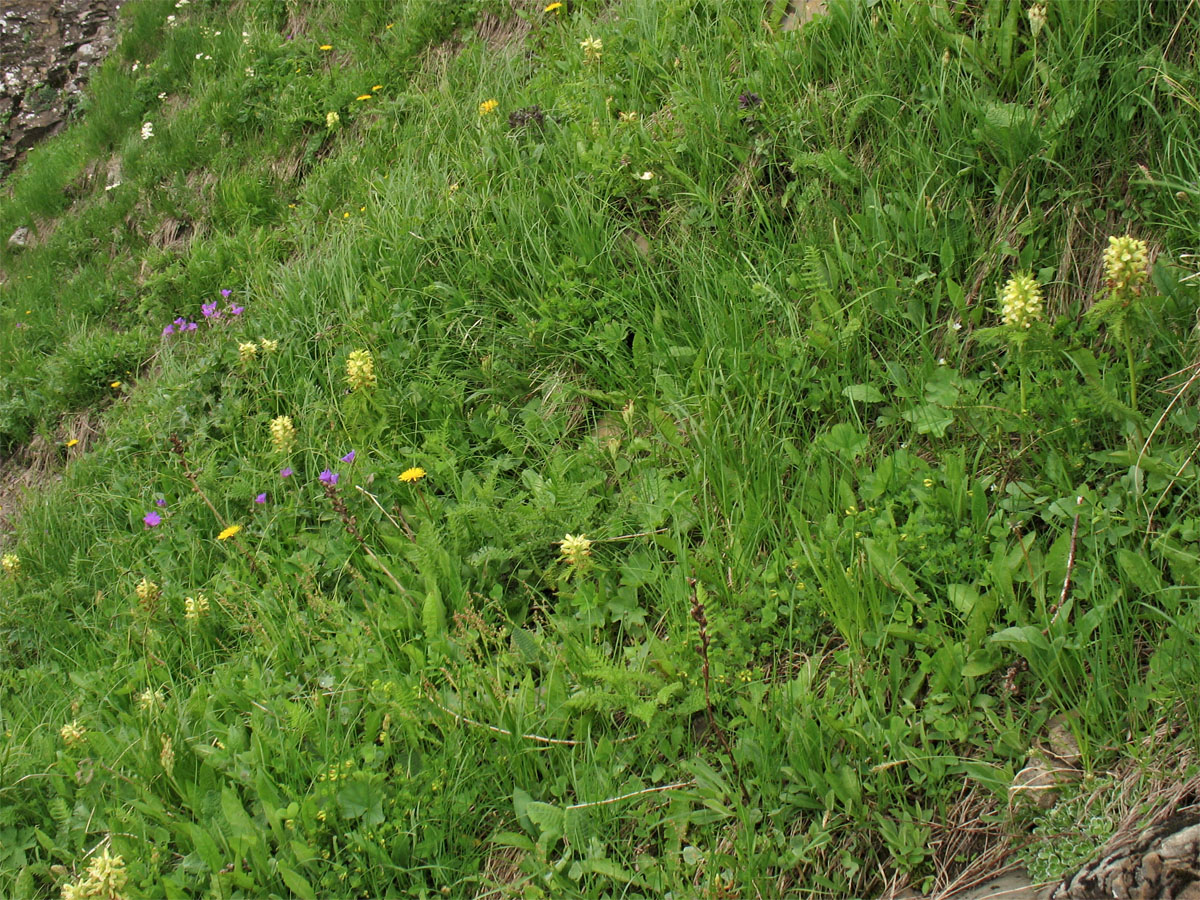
{"x": 351, "y": 525}
{"x": 702, "y": 623}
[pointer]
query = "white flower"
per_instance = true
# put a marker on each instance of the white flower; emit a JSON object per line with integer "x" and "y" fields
{"x": 147, "y": 130}
{"x": 162, "y": 95}
{"x": 645, "y": 176}
{"x": 249, "y": 71}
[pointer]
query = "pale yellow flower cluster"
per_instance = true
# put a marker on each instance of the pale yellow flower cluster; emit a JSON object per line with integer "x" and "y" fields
{"x": 592, "y": 48}
{"x": 147, "y": 592}
{"x": 575, "y": 549}
{"x": 195, "y": 607}
{"x": 11, "y": 564}
{"x": 360, "y": 370}
{"x": 150, "y": 700}
{"x": 283, "y": 433}
{"x": 106, "y": 879}
{"x": 248, "y": 352}
{"x": 1021, "y": 301}
{"x": 72, "y": 733}
{"x": 1126, "y": 264}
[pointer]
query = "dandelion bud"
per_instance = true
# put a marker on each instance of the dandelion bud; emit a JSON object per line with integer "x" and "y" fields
{"x": 283, "y": 433}
{"x": 360, "y": 370}
{"x": 1021, "y": 301}
{"x": 1126, "y": 265}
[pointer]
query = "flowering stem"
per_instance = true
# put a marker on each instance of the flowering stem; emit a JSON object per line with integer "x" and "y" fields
{"x": 1133, "y": 398}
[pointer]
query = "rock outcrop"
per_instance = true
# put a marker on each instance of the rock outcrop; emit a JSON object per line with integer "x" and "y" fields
{"x": 47, "y": 51}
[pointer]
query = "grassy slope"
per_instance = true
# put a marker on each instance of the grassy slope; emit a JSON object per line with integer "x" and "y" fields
{"x": 791, "y": 400}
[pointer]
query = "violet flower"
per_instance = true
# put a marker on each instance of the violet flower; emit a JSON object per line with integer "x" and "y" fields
{"x": 328, "y": 477}
{"x": 152, "y": 519}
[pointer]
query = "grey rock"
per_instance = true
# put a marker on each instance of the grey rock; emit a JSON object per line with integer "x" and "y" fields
{"x": 20, "y": 239}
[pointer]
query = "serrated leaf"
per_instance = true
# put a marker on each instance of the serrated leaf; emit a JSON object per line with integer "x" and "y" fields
{"x": 549, "y": 819}
{"x": 577, "y": 828}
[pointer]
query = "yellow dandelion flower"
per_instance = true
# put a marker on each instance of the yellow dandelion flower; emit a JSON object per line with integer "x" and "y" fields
{"x": 325, "y": 48}
{"x": 115, "y": 384}
{"x": 552, "y": 7}
{"x": 377, "y": 87}
{"x": 229, "y": 532}
{"x": 72, "y": 442}
{"x": 488, "y": 106}
{"x": 363, "y": 97}
{"x": 413, "y": 475}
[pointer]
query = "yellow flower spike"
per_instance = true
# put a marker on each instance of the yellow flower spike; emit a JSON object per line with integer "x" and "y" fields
{"x": 1021, "y": 301}
{"x": 575, "y": 549}
{"x": 592, "y": 48}
{"x": 413, "y": 475}
{"x": 360, "y": 370}
{"x": 283, "y": 433}
{"x": 229, "y": 532}
{"x": 72, "y": 733}
{"x": 1126, "y": 264}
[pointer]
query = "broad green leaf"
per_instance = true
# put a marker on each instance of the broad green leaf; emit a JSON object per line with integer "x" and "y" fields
{"x": 862, "y": 393}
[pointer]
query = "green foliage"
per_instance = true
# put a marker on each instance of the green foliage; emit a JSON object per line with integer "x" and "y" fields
{"x": 718, "y": 305}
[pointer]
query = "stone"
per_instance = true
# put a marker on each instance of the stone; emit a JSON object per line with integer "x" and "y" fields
{"x": 21, "y": 239}
{"x": 46, "y": 47}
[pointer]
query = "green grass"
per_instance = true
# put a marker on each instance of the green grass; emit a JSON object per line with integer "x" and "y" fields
{"x": 768, "y": 380}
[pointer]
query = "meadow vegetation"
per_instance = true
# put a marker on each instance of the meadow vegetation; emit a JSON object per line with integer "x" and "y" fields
{"x": 599, "y": 449}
